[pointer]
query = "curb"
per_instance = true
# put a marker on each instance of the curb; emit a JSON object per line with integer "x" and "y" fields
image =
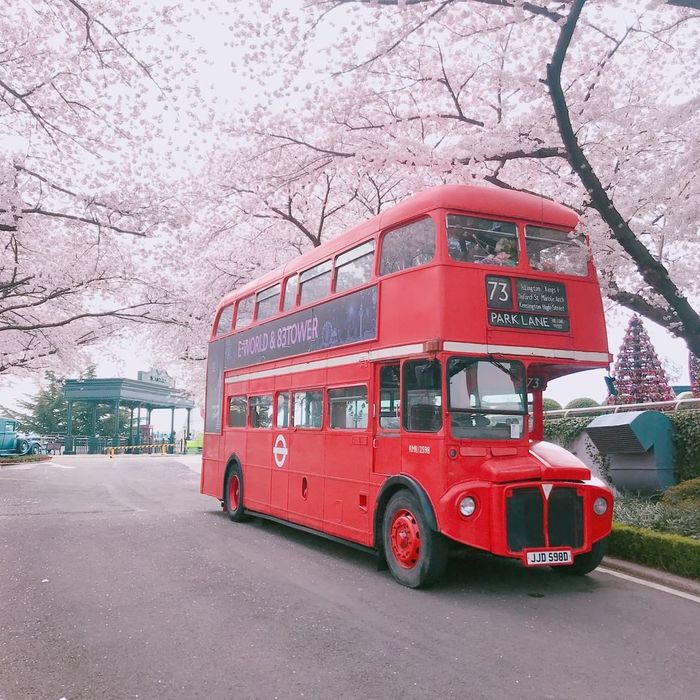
{"x": 663, "y": 578}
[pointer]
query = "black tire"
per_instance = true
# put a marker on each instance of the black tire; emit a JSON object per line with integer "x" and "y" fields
{"x": 35, "y": 449}
{"x": 233, "y": 494}
{"x": 585, "y": 563}
{"x": 415, "y": 554}
{"x": 22, "y": 447}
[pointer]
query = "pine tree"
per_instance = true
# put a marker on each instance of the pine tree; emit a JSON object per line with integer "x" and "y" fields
{"x": 639, "y": 376}
{"x": 47, "y": 412}
{"x": 694, "y": 371}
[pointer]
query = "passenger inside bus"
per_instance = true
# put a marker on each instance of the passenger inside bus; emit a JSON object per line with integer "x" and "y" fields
{"x": 482, "y": 241}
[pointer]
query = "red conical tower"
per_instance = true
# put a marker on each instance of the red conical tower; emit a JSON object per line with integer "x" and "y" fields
{"x": 639, "y": 376}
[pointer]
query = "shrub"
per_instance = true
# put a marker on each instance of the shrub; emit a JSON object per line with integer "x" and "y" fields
{"x": 686, "y": 442}
{"x": 564, "y": 431}
{"x": 551, "y": 405}
{"x": 582, "y": 403}
{"x": 673, "y": 553}
{"x": 687, "y": 493}
{"x": 678, "y": 517}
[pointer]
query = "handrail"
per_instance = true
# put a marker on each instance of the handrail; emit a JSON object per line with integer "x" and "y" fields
{"x": 162, "y": 446}
{"x": 675, "y": 405}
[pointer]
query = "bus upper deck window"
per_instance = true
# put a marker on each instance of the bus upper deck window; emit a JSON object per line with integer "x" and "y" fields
{"x": 408, "y": 246}
{"x": 244, "y": 314}
{"x": 550, "y": 250}
{"x": 290, "y": 293}
{"x": 354, "y": 267}
{"x": 482, "y": 241}
{"x": 268, "y": 302}
{"x": 315, "y": 282}
{"x": 223, "y": 325}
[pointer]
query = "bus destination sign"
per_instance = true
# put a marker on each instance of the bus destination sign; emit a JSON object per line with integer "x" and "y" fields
{"x": 537, "y": 305}
{"x": 531, "y": 322}
{"x": 541, "y": 297}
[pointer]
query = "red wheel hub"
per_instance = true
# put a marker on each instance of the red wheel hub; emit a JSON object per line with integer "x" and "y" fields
{"x": 234, "y": 492}
{"x": 404, "y": 536}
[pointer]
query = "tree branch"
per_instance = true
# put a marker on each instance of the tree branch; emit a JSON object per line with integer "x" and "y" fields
{"x": 652, "y": 271}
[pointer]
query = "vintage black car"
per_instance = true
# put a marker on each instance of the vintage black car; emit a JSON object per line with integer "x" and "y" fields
{"x": 12, "y": 443}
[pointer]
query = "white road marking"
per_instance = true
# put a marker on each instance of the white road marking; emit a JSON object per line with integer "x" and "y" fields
{"x": 650, "y": 584}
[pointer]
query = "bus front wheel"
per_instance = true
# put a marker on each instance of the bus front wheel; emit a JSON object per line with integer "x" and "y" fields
{"x": 415, "y": 554}
{"x": 233, "y": 494}
{"x": 585, "y": 563}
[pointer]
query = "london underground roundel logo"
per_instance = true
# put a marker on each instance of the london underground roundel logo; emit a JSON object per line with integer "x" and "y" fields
{"x": 279, "y": 451}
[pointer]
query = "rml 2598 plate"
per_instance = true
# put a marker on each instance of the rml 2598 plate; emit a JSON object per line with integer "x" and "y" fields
{"x": 547, "y": 557}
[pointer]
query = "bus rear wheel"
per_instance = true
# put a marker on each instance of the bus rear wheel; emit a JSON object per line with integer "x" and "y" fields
{"x": 585, "y": 563}
{"x": 233, "y": 494}
{"x": 415, "y": 554}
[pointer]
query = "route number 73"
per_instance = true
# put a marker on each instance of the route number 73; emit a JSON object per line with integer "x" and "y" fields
{"x": 498, "y": 291}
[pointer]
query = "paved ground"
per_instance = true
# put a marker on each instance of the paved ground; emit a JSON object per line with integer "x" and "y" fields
{"x": 118, "y": 580}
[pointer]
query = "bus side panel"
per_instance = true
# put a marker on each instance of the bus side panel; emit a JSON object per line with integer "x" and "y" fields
{"x": 408, "y": 313}
{"x": 210, "y": 482}
{"x": 305, "y": 463}
{"x": 256, "y": 470}
{"x": 346, "y": 500}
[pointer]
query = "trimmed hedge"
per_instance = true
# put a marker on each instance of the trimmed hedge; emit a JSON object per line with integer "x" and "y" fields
{"x": 672, "y": 553}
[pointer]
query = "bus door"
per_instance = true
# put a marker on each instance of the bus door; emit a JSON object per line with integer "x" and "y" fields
{"x": 386, "y": 443}
{"x": 306, "y": 458}
{"x": 279, "y": 474}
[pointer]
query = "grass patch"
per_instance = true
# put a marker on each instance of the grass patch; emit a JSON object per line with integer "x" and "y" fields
{"x": 10, "y": 459}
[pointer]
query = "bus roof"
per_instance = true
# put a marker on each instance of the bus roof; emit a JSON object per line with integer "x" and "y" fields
{"x": 492, "y": 201}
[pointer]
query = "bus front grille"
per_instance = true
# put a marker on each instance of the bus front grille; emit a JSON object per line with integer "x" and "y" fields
{"x": 565, "y": 518}
{"x": 525, "y": 519}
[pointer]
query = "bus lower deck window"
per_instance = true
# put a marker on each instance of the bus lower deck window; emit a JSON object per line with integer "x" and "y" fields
{"x": 283, "y": 410}
{"x": 237, "y": 409}
{"x": 308, "y": 409}
{"x": 348, "y": 408}
{"x": 260, "y": 408}
{"x": 422, "y": 394}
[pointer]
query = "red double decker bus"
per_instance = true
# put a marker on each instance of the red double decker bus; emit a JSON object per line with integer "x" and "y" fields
{"x": 385, "y": 388}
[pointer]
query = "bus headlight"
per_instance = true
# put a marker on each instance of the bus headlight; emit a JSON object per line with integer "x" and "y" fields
{"x": 467, "y": 506}
{"x": 600, "y": 506}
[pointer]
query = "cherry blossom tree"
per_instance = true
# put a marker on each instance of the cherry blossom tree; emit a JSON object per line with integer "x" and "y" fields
{"x": 86, "y": 163}
{"x": 590, "y": 103}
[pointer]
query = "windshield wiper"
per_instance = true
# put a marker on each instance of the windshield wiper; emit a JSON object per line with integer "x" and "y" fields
{"x": 512, "y": 374}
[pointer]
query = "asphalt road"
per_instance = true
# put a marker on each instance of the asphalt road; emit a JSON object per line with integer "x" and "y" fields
{"x": 118, "y": 580}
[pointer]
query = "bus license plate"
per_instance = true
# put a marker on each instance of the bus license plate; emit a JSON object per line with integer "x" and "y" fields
{"x": 548, "y": 557}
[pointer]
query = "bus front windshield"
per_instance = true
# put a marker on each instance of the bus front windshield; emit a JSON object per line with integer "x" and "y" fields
{"x": 487, "y": 399}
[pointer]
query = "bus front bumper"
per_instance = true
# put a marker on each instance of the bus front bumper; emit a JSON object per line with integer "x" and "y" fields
{"x": 514, "y": 519}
